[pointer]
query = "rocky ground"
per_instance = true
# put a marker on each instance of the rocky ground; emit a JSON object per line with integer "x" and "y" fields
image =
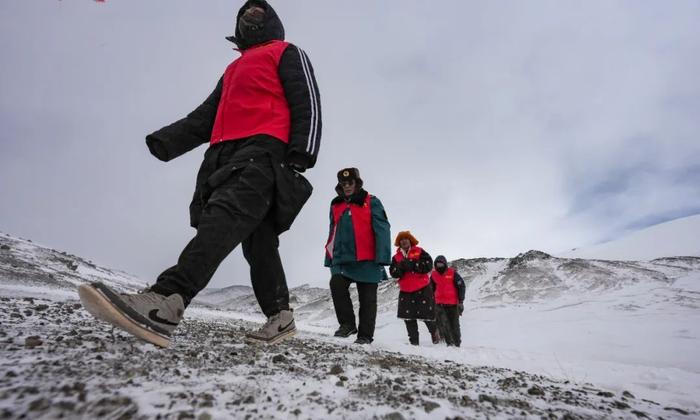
{"x": 57, "y": 362}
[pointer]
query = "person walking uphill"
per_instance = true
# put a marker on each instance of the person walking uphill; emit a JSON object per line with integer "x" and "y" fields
{"x": 358, "y": 248}
{"x": 263, "y": 124}
{"x": 411, "y": 266}
{"x": 449, "y": 298}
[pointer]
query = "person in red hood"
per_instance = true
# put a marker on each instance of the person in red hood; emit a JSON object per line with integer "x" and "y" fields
{"x": 449, "y": 289}
{"x": 263, "y": 126}
{"x": 411, "y": 265}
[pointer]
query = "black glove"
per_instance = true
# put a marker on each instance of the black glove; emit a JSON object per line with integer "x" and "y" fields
{"x": 461, "y": 308}
{"x": 405, "y": 266}
{"x": 297, "y": 162}
{"x": 296, "y": 167}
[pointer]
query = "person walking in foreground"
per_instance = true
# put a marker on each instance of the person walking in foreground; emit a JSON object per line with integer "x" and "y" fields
{"x": 449, "y": 298}
{"x": 411, "y": 266}
{"x": 263, "y": 124}
{"x": 358, "y": 248}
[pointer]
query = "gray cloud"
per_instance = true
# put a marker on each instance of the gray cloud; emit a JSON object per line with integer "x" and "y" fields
{"x": 486, "y": 128}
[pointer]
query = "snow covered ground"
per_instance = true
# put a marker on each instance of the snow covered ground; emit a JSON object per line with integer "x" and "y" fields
{"x": 541, "y": 336}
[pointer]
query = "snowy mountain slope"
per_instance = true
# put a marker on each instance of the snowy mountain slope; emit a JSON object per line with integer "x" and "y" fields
{"x": 680, "y": 237}
{"x": 28, "y": 266}
{"x": 626, "y": 326}
{"x": 80, "y": 369}
{"x": 218, "y": 297}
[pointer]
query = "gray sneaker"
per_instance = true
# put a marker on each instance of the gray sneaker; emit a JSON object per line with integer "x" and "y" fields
{"x": 277, "y": 328}
{"x": 147, "y": 315}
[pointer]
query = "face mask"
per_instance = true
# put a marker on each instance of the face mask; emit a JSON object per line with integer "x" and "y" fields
{"x": 251, "y": 23}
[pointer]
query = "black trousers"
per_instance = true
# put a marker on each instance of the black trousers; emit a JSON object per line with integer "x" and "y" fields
{"x": 412, "y": 328}
{"x": 237, "y": 211}
{"x": 448, "y": 324}
{"x": 340, "y": 291}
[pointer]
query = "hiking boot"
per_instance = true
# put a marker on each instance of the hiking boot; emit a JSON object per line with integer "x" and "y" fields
{"x": 277, "y": 328}
{"x": 147, "y": 315}
{"x": 345, "y": 331}
{"x": 436, "y": 337}
{"x": 363, "y": 340}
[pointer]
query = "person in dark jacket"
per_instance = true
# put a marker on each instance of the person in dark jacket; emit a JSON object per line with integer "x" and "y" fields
{"x": 448, "y": 287}
{"x": 411, "y": 265}
{"x": 263, "y": 126}
{"x": 358, "y": 248}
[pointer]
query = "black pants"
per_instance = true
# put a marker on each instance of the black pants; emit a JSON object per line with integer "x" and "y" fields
{"x": 448, "y": 324}
{"x": 412, "y": 328}
{"x": 340, "y": 291}
{"x": 237, "y": 211}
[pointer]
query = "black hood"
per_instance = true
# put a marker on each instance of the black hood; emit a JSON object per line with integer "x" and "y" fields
{"x": 272, "y": 27}
{"x": 440, "y": 258}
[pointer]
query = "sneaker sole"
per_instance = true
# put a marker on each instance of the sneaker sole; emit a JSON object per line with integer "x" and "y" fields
{"x": 103, "y": 309}
{"x": 275, "y": 340}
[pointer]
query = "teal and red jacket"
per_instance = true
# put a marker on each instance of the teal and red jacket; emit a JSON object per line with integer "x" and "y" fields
{"x": 359, "y": 238}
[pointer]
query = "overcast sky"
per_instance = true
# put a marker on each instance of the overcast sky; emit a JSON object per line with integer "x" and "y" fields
{"x": 486, "y": 128}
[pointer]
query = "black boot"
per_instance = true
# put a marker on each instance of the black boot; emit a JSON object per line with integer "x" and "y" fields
{"x": 345, "y": 331}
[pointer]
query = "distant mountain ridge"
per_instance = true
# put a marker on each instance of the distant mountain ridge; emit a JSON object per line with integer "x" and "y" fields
{"x": 529, "y": 278}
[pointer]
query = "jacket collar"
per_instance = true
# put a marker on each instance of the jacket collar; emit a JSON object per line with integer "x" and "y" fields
{"x": 358, "y": 198}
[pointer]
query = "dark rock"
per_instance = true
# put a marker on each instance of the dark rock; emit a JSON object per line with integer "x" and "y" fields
{"x": 429, "y": 406}
{"x": 278, "y": 358}
{"x": 627, "y": 394}
{"x": 5, "y": 247}
{"x": 677, "y": 410}
{"x": 640, "y": 414}
{"x": 488, "y": 398}
{"x": 620, "y": 405}
{"x": 508, "y": 383}
{"x": 535, "y": 390}
{"x": 33, "y": 341}
{"x": 41, "y": 307}
{"x": 606, "y": 394}
{"x": 249, "y": 400}
{"x": 40, "y": 404}
{"x": 336, "y": 370}
{"x": 394, "y": 416}
{"x": 10, "y": 374}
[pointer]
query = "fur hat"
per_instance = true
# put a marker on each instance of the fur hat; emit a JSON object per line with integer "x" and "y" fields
{"x": 406, "y": 234}
{"x": 348, "y": 174}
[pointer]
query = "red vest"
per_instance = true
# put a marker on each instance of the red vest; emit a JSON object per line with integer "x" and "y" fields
{"x": 362, "y": 226}
{"x": 445, "y": 290}
{"x": 411, "y": 282}
{"x": 252, "y": 98}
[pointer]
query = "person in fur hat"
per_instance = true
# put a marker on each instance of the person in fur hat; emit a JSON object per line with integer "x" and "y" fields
{"x": 358, "y": 248}
{"x": 411, "y": 265}
{"x": 449, "y": 289}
